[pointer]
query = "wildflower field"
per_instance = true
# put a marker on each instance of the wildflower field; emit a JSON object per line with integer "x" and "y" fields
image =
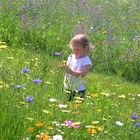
{"x": 34, "y": 37}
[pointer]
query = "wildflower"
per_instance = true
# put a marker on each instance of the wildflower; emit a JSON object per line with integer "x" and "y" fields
{"x": 138, "y": 95}
{"x": 50, "y": 127}
{"x": 10, "y": 58}
{"x": 29, "y": 99}
{"x": 98, "y": 110}
{"x": 43, "y": 136}
{"x": 30, "y": 129}
{"x": 57, "y": 137}
{"x": 76, "y": 105}
{"x": 46, "y": 111}
{"x": 56, "y": 54}
{"x": 39, "y": 124}
{"x": 63, "y": 106}
{"x": 137, "y": 124}
{"x": 105, "y": 94}
{"x": 19, "y": 87}
{"x": 37, "y": 81}
{"x": 119, "y": 123}
{"x": 66, "y": 111}
{"x": 91, "y": 131}
{"x": 98, "y": 42}
{"x": 122, "y": 96}
{"x": 104, "y": 32}
{"x": 3, "y": 46}
{"x": 72, "y": 125}
{"x": 95, "y": 122}
{"x": 76, "y": 124}
{"x": 134, "y": 117}
{"x": 94, "y": 95}
{"x": 53, "y": 100}
{"x": 25, "y": 70}
{"x": 100, "y": 128}
{"x": 29, "y": 118}
{"x": 68, "y": 123}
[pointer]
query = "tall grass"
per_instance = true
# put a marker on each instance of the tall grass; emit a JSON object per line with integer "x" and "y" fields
{"x": 113, "y": 27}
{"x": 34, "y": 111}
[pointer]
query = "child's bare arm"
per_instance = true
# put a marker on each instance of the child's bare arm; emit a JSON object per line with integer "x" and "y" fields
{"x": 81, "y": 73}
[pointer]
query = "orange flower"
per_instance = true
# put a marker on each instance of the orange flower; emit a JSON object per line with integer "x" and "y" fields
{"x": 43, "y": 136}
{"x": 98, "y": 42}
{"x": 30, "y": 129}
{"x": 39, "y": 124}
{"x": 91, "y": 131}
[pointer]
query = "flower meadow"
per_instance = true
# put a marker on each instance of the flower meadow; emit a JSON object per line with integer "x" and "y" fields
{"x": 34, "y": 36}
{"x": 112, "y": 26}
{"x": 35, "y": 107}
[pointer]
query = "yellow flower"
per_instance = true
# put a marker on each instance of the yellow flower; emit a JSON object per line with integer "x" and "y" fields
{"x": 76, "y": 105}
{"x": 2, "y": 43}
{"x": 100, "y": 128}
{"x": 76, "y": 123}
{"x": 3, "y": 46}
{"x": 95, "y": 122}
{"x": 94, "y": 95}
{"x": 66, "y": 111}
{"x": 46, "y": 111}
{"x": 10, "y": 58}
{"x": 105, "y": 32}
{"x": 50, "y": 127}
{"x": 98, "y": 110}
{"x": 105, "y": 94}
{"x": 122, "y": 96}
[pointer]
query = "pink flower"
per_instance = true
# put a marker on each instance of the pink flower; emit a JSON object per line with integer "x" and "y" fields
{"x": 71, "y": 124}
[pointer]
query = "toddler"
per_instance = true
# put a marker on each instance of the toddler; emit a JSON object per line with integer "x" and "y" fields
{"x": 77, "y": 66}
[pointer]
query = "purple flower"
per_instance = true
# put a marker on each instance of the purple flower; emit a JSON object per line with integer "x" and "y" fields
{"x": 29, "y": 99}
{"x": 137, "y": 124}
{"x": 134, "y": 117}
{"x": 56, "y": 54}
{"x": 37, "y": 81}
{"x": 69, "y": 123}
{"x": 19, "y": 87}
{"x": 25, "y": 70}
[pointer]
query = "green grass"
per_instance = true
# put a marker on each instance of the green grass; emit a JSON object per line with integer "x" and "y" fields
{"x": 33, "y": 31}
{"x": 108, "y": 99}
{"x": 112, "y": 26}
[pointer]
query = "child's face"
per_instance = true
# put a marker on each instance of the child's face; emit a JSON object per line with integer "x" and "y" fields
{"x": 79, "y": 51}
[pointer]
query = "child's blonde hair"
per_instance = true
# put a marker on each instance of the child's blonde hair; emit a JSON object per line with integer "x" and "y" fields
{"x": 81, "y": 40}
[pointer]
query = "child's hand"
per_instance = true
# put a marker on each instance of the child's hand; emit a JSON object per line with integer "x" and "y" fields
{"x": 66, "y": 67}
{"x": 63, "y": 65}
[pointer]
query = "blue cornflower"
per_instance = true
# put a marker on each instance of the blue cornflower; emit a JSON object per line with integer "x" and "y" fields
{"x": 37, "y": 81}
{"x": 56, "y": 54}
{"x": 19, "y": 87}
{"x": 137, "y": 124}
{"x": 25, "y": 70}
{"x": 134, "y": 117}
{"x": 29, "y": 99}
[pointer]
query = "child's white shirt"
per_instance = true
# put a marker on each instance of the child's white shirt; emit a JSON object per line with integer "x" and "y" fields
{"x": 75, "y": 64}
